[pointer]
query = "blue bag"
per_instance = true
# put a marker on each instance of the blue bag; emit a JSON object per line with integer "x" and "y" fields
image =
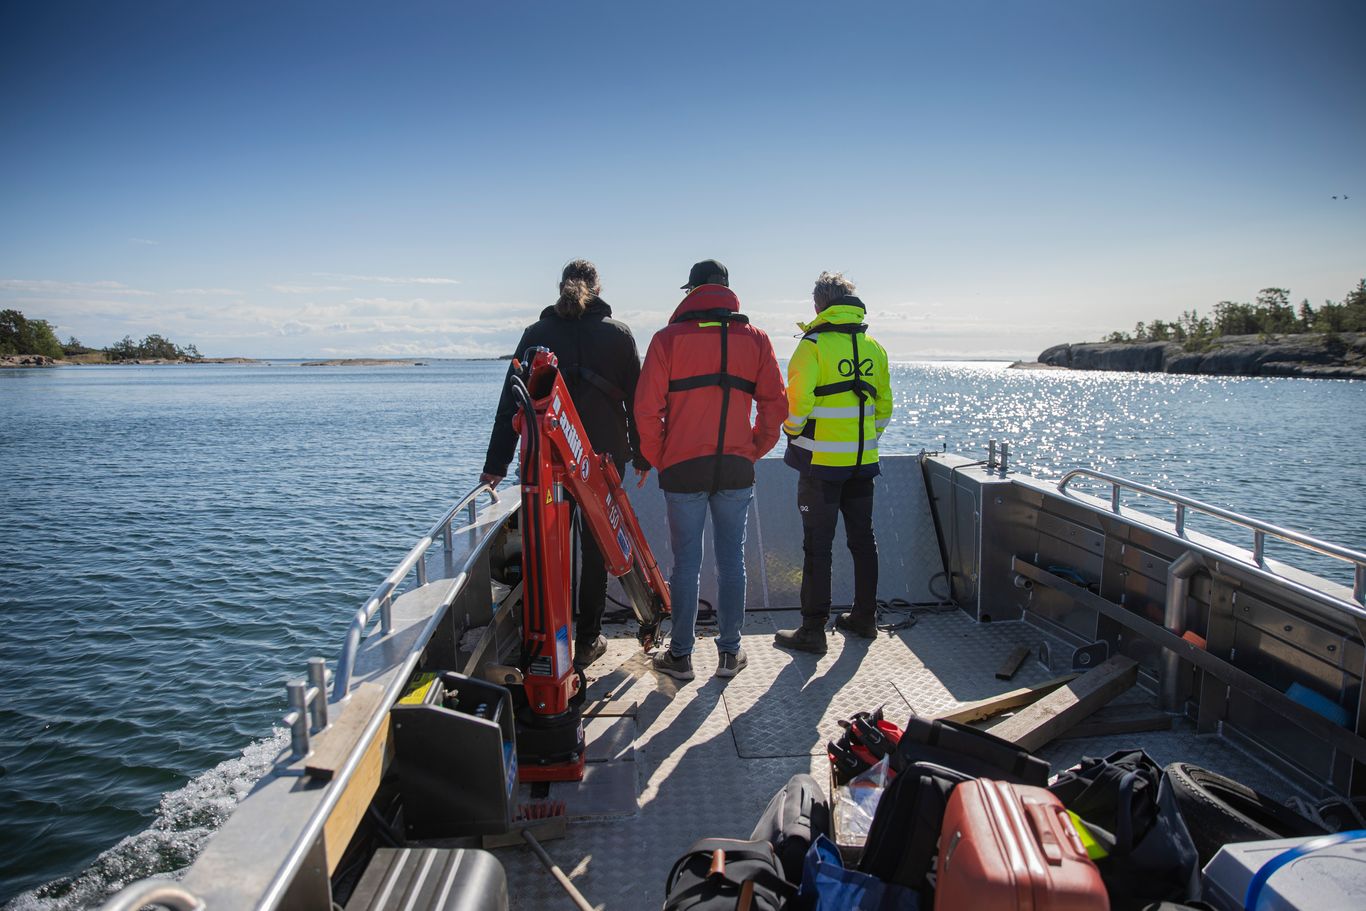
{"x": 828, "y": 886}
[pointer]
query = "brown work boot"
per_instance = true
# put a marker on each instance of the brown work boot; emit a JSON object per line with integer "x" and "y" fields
{"x": 588, "y": 652}
{"x": 859, "y": 626}
{"x": 803, "y": 639}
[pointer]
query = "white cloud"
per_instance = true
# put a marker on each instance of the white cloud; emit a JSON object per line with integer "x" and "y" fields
{"x": 387, "y": 279}
{"x": 208, "y": 292}
{"x": 299, "y": 288}
{"x": 44, "y": 286}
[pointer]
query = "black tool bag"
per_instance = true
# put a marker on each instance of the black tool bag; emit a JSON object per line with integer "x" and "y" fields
{"x": 903, "y": 841}
{"x": 712, "y": 876}
{"x": 794, "y": 817}
{"x": 967, "y": 750}
{"x": 1129, "y": 810}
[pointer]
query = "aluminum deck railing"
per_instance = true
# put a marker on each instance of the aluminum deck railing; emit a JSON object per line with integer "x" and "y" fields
{"x": 1259, "y": 529}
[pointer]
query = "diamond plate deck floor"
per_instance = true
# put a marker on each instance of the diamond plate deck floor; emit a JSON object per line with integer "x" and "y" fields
{"x": 708, "y": 754}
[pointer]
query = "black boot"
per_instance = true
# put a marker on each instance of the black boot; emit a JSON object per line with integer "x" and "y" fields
{"x": 859, "y": 626}
{"x": 803, "y": 639}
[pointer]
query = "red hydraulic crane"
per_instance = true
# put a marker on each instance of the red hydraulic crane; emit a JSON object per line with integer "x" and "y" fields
{"x": 557, "y": 461}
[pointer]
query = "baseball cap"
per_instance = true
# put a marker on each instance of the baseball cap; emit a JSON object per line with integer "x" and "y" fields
{"x": 707, "y": 272}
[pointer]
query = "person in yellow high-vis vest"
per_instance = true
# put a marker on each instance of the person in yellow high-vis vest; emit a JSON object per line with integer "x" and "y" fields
{"x": 839, "y": 401}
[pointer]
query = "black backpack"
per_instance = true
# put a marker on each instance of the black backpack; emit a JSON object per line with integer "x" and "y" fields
{"x": 794, "y": 817}
{"x": 712, "y": 876}
{"x": 903, "y": 841}
{"x": 968, "y": 750}
{"x": 1129, "y": 810}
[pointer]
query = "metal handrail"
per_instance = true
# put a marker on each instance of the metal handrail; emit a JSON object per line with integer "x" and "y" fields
{"x": 383, "y": 598}
{"x": 1258, "y": 528}
{"x": 154, "y": 892}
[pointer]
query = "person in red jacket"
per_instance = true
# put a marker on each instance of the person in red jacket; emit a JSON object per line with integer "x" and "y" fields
{"x": 701, "y": 375}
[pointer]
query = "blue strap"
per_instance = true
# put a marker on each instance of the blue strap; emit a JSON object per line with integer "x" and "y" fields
{"x": 1254, "y": 888}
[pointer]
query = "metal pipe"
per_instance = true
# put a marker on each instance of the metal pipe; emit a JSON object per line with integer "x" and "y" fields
{"x": 1005, "y": 456}
{"x": 1114, "y": 498}
{"x": 1181, "y": 519}
{"x": 1259, "y": 547}
{"x": 298, "y": 718}
{"x": 317, "y": 684}
{"x": 1174, "y": 619}
{"x": 991, "y": 455}
{"x": 154, "y": 892}
{"x": 422, "y": 571}
{"x": 382, "y": 599}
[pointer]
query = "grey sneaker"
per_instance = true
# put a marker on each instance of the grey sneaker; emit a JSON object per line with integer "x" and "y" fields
{"x": 731, "y": 663}
{"x": 678, "y": 667}
{"x": 586, "y": 653}
{"x": 803, "y": 639}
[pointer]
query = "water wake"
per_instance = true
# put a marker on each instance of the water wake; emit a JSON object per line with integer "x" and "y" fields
{"x": 185, "y": 820}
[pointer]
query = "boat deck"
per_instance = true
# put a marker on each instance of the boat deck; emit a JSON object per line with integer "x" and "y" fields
{"x": 672, "y": 762}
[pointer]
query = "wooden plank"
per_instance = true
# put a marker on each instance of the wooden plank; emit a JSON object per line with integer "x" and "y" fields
{"x": 995, "y": 705}
{"x": 1120, "y": 719}
{"x": 611, "y": 708}
{"x": 1012, "y": 663}
{"x": 360, "y": 788}
{"x": 1064, "y": 708}
{"x": 331, "y": 747}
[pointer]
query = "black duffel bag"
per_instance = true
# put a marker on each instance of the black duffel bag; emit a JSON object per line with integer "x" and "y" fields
{"x": 1140, "y": 843}
{"x": 903, "y": 840}
{"x": 794, "y": 817}
{"x": 712, "y": 876}
{"x": 967, "y": 750}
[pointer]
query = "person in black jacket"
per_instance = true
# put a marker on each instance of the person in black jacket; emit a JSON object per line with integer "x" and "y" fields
{"x": 600, "y": 366}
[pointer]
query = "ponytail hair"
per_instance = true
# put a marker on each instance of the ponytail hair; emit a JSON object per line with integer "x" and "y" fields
{"x": 578, "y": 286}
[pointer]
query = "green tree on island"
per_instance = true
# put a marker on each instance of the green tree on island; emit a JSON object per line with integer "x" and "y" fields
{"x": 1271, "y": 314}
{"x": 19, "y": 335}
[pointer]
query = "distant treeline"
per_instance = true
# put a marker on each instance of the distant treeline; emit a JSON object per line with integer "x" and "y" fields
{"x": 1272, "y": 314}
{"x": 20, "y": 335}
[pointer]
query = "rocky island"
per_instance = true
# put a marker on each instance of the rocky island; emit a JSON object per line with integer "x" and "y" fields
{"x": 1319, "y": 355}
{"x": 1266, "y": 338}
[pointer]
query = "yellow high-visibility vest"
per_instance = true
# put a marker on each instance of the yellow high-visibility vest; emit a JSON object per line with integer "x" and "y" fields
{"x": 839, "y": 395}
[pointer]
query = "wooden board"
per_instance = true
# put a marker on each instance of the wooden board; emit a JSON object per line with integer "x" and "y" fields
{"x": 360, "y": 788}
{"x": 331, "y": 747}
{"x": 1064, "y": 708}
{"x": 1012, "y": 663}
{"x": 995, "y": 705}
{"x": 1120, "y": 719}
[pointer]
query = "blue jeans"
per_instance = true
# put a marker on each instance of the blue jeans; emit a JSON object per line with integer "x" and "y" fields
{"x": 687, "y": 518}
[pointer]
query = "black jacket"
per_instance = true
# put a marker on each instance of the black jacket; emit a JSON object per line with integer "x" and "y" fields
{"x": 598, "y": 360}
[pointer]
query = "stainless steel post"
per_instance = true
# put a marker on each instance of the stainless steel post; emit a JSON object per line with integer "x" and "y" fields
{"x": 991, "y": 455}
{"x": 1174, "y": 619}
{"x": 1359, "y": 587}
{"x": 448, "y": 543}
{"x": 317, "y": 682}
{"x": 386, "y": 614}
{"x": 298, "y": 726}
{"x": 422, "y": 570}
{"x": 1181, "y": 519}
{"x": 1259, "y": 547}
{"x": 1005, "y": 456}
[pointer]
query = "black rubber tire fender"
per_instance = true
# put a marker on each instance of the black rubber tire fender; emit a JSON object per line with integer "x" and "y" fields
{"x": 1220, "y": 811}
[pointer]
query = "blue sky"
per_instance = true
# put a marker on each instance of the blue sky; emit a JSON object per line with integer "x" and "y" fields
{"x": 304, "y": 179}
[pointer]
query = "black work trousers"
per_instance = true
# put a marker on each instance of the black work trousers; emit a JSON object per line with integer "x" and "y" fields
{"x": 592, "y": 591}
{"x": 822, "y": 503}
{"x": 592, "y": 588}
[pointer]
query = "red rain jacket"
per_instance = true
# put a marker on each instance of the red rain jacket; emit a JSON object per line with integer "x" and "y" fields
{"x": 701, "y": 375}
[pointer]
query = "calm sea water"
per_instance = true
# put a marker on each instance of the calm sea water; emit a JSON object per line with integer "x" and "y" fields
{"x": 177, "y": 541}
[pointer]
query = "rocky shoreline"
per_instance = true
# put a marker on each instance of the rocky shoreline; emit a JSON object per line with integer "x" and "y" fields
{"x": 1314, "y": 355}
{"x": 40, "y": 360}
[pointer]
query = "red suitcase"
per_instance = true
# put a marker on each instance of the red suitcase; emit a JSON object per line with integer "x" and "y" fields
{"x": 1009, "y": 847}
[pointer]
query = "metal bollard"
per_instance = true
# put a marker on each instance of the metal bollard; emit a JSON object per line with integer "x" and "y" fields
{"x": 298, "y": 719}
{"x": 317, "y": 682}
